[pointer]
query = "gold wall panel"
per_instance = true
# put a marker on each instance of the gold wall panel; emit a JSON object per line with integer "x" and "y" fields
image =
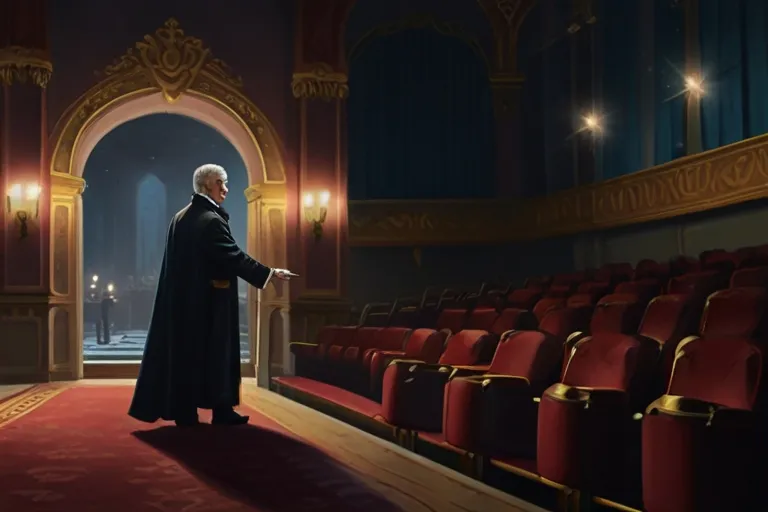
{"x": 721, "y": 177}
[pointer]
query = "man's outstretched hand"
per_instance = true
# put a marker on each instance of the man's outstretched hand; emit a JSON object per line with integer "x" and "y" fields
{"x": 284, "y": 274}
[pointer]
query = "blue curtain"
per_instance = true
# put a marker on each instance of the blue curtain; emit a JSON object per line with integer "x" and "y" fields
{"x": 530, "y": 61}
{"x": 669, "y": 66}
{"x": 620, "y": 80}
{"x": 421, "y": 120}
{"x": 734, "y": 54}
{"x": 755, "y": 57}
{"x": 557, "y": 109}
{"x": 722, "y": 114}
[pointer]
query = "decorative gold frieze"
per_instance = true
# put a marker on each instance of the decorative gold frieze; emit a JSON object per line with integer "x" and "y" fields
{"x": 173, "y": 63}
{"x": 320, "y": 83}
{"x": 722, "y": 177}
{"x": 20, "y": 65}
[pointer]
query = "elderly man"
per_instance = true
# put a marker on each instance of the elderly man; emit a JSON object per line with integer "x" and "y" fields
{"x": 192, "y": 356}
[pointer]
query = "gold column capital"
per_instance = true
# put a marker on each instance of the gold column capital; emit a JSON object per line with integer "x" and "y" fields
{"x": 320, "y": 82}
{"x": 19, "y": 65}
{"x": 63, "y": 184}
{"x": 267, "y": 191}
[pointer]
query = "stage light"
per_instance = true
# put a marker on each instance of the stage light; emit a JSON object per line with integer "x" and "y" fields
{"x": 592, "y": 123}
{"x": 694, "y": 85}
{"x": 95, "y": 279}
{"x": 110, "y": 288}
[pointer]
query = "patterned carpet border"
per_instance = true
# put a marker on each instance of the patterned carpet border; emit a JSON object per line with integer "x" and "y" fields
{"x": 16, "y": 406}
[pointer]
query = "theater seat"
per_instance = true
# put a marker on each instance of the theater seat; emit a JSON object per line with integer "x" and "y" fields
{"x": 547, "y": 304}
{"x": 413, "y": 391}
{"x": 495, "y": 414}
{"x": 699, "y": 440}
{"x": 513, "y": 318}
{"x": 750, "y": 277}
{"x": 310, "y": 356}
{"x": 451, "y": 320}
{"x": 584, "y": 420}
{"x": 481, "y": 319}
{"x": 618, "y": 313}
{"x": 422, "y": 345}
{"x": 524, "y": 298}
{"x": 355, "y": 367}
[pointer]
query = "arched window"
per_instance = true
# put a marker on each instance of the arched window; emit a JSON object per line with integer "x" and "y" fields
{"x": 151, "y": 225}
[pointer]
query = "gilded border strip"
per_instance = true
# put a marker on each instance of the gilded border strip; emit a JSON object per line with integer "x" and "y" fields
{"x": 27, "y": 401}
{"x": 725, "y": 176}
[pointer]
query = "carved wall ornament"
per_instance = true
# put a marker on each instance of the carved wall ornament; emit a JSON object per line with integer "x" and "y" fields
{"x": 19, "y": 65}
{"x": 173, "y": 63}
{"x": 506, "y": 17}
{"x": 320, "y": 83}
{"x": 721, "y": 177}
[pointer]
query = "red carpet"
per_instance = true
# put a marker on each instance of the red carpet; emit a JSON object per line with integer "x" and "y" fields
{"x": 80, "y": 451}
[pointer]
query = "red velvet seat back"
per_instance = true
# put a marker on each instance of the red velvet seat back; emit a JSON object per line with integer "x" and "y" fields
{"x": 607, "y": 360}
{"x": 698, "y": 283}
{"x": 513, "y": 318}
{"x": 467, "y": 347}
{"x": 391, "y": 338}
{"x": 529, "y": 354}
{"x": 724, "y": 371}
{"x": 524, "y": 298}
{"x": 547, "y": 304}
{"x": 644, "y": 288}
{"x": 364, "y": 338}
{"x": 451, "y": 319}
{"x": 620, "y": 313}
{"x": 750, "y": 277}
{"x": 562, "y": 322}
{"x": 734, "y": 313}
{"x": 650, "y": 269}
{"x": 669, "y": 317}
{"x": 425, "y": 345}
{"x": 481, "y": 319}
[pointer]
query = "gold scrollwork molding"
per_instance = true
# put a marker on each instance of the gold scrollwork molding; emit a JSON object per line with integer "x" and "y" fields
{"x": 173, "y": 63}
{"x": 320, "y": 83}
{"x": 721, "y": 177}
{"x": 20, "y": 65}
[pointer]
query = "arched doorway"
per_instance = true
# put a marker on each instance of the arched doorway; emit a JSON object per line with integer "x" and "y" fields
{"x": 167, "y": 72}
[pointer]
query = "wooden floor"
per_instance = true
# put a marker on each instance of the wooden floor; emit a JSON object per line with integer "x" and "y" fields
{"x": 410, "y": 481}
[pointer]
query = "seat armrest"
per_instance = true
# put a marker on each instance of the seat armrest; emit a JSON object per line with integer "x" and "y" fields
{"x": 468, "y": 371}
{"x": 416, "y": 365}
{"x": 712, "y": 413}
{"x": 302, "y": 344}
{"x": 586, "y": 395}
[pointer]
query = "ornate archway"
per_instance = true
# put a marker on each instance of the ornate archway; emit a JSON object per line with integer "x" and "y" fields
{"x": 168, "y": 72}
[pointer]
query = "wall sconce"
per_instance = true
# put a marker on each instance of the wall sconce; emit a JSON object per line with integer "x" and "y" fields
{"x": 23, "y": 203}
{"x": 316, "y": 209}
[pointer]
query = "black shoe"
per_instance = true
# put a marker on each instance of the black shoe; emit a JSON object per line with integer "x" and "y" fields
{"x": 228, "y": 417}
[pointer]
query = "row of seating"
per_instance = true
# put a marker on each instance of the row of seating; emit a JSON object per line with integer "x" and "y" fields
{"x": 593, "y": 384}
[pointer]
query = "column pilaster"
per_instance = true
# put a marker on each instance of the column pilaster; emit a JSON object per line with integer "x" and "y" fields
{"x": 320, "y": 86}
{"x": 506, "y": 17}
{"x": 26, "y": 314}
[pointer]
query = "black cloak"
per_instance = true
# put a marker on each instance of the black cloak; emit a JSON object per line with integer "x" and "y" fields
{"x": 192, "y": 355}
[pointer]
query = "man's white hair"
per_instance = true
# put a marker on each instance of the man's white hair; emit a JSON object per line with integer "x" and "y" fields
{"x": 203, "y": 175}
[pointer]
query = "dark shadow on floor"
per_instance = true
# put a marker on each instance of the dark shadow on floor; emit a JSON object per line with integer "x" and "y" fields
{"x": 265, "y": 469}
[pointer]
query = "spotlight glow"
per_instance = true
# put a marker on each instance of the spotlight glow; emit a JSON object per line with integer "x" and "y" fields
{"x": 592, "y": 123}
{"x": 694, "y": 85}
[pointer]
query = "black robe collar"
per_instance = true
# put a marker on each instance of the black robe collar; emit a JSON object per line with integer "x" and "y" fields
{"x": 200, "y": 201}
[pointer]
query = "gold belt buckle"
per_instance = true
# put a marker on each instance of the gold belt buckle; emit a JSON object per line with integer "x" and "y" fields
{"x": 221, "y": 284}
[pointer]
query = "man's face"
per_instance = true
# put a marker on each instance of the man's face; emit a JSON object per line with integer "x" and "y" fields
{"x": 217, "y": 189}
